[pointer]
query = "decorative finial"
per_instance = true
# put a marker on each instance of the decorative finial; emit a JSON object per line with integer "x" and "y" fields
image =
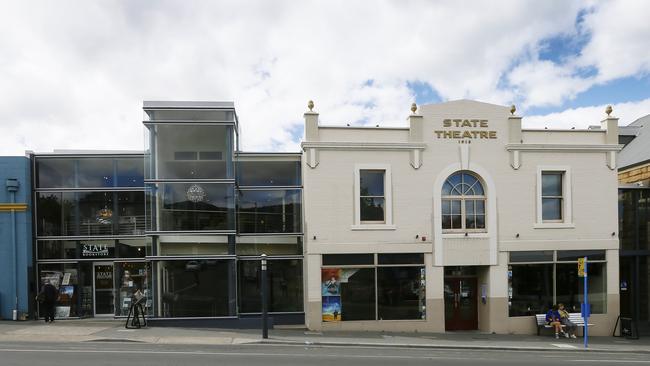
{"x": 414, "y": 107}
{"x": 513, "y": 109}
{"x": 310, "y": 105}
{"x": 608, "y": 110}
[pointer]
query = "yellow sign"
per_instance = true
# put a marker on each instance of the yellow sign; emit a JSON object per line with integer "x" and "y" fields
{"x": 451, "y": 129}
{"x": 8, "y": 207}
{"x": 581, "y": 268}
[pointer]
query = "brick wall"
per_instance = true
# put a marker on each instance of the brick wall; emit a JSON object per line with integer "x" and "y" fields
{"x": 637, "y": 174}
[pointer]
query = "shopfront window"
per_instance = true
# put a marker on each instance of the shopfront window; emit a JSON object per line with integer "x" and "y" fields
{"x": 285, "y": 285}
{"x": 570, "y": 287}
{"x": 196, "y": 206}
{"x": 400, "y": 292}
{"x": 197, "y": 288}
{"x": 75, "y": 292}
{"x": 133, "y": 277}
{"x": 391, "y": 287}
{"x": 539, "y": 279}
{"x": 531, "y": 288}
{"x": 276, "y": 211}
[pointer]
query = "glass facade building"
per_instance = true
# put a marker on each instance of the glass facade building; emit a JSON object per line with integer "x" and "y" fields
{"x": 184, "y": 222}
{"x": 90, "y": 231}
{"x": 634, "y": 228}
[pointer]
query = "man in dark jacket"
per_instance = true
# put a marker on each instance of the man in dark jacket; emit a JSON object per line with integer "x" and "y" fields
{"x": 48, "y": 295}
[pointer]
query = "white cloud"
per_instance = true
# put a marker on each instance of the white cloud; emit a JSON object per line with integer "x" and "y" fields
{"x": 584, "y": 117}
{"x": 73, "y": 74}
{"x": 618, "y": 42}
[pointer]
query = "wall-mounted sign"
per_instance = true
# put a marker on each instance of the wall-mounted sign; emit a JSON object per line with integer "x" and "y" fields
{"x": 94, "y": 250}
{"x": 475, "y": 129}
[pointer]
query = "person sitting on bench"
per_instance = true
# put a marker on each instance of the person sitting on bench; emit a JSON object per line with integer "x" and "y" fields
{"x": 553, "y": 319}
{"x": 568, "y": 324}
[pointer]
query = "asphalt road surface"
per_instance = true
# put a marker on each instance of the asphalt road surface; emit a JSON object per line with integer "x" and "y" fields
{"x": 126, "y": 354}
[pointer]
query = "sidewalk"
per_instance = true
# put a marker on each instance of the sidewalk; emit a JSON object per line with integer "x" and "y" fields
{"x": 94, "y": 330}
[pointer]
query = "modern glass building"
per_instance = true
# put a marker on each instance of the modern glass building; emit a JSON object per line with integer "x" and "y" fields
{"x": 90, "y": 230}
{"x": 185, "y": 222}
{"x": 634, "y": 227}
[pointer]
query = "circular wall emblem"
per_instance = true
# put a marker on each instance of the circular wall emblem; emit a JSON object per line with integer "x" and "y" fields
{"x": 195, "y": 193}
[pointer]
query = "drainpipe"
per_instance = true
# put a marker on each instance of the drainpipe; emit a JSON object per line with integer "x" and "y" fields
{"x": 12, "y": 188}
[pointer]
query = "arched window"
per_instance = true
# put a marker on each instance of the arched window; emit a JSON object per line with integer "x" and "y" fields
{"x": 463, "y": 203}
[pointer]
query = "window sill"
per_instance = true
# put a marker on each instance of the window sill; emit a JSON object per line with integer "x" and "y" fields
{"x": 555, "y": 225}
{"x": 373, "y": 227}
{"x": 475, "y": 235}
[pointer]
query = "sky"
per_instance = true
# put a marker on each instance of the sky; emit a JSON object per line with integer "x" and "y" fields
{"x": 73, "y": 74}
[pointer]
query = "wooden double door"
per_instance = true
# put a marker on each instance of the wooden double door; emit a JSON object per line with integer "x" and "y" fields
{"x": 461, "y": 303}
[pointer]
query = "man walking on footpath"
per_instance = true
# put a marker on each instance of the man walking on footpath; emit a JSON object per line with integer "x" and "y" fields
{"x": 47, "y": 297}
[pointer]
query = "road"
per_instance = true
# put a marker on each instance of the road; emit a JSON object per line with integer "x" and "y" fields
{"x": 105, "y": 353}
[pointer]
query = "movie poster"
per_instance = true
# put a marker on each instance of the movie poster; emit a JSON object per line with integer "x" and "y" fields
{"x": 331, "y": 308}
{"x": 330, "y": 281}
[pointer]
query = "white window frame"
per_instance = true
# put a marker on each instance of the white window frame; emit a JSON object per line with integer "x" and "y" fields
{"x": 463, "y": 199}
{"x": 567, "y": 214}
{"x": 388, "y": 198}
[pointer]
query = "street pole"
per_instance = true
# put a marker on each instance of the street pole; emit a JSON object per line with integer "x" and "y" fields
{"x": 265, "y": 326}
{"x": 585, "y": 314}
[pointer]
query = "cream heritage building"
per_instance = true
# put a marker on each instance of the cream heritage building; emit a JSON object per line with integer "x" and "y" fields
{"x": 463, "y": 220}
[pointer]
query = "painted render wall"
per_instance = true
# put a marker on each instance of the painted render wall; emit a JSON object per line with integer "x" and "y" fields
{"x": 329, "y": 205}
{"x": 17, "y": 167}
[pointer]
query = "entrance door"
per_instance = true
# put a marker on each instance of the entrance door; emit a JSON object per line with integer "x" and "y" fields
{"x": 461, "y": 308}
{"x": 104, "y": 294}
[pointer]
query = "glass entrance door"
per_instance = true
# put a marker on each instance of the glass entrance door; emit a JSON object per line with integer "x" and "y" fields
{"x": 461, "y": 308}
{"x": 104, "y": 294}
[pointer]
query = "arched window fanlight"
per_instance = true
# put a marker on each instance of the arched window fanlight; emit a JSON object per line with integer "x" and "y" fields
{"x": 463, "y": 203}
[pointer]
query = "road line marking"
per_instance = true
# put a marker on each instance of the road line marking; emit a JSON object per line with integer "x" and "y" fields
{"x": 201, "y": 353}
{"x": 612, "y": 361}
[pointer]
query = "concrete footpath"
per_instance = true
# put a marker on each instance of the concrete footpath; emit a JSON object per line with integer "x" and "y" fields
{"x": 96, "y": 331}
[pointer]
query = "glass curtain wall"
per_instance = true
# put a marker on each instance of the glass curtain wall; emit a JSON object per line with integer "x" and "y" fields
{"x": 190, "y": 177}
{"x": 269, "y": 221}
{"x": 634, "y": 235}
{"x": 190, "y": 206}
{"x": 90, "y": 209}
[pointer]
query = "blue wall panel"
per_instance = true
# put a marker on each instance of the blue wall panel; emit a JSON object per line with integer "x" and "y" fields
{"x": 14, "y": 278}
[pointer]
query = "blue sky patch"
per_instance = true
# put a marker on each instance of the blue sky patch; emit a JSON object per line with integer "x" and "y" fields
{"x": 423, "y": 92}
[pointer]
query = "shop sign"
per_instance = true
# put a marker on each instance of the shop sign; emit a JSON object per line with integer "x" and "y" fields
{"x": 94, "y": 250}
{"x": 473, "y": 129}
{"x": 104, "y": 275}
